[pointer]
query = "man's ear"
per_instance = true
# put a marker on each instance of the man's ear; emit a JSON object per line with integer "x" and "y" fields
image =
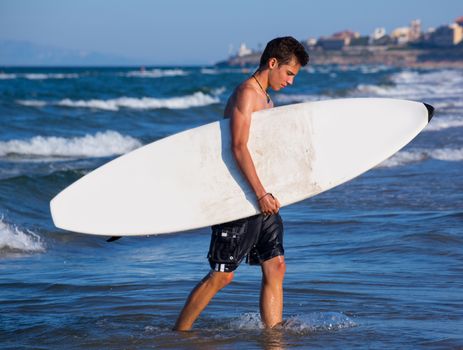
{"x": 272, "y": 62}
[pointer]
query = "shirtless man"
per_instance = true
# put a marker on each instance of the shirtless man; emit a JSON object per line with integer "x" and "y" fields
{"x": 258, "y": 238}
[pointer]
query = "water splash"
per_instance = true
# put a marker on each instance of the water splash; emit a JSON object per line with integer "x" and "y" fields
{"x": 15, "y": 240}
{"x": 318, "y": 321}
{"x": 299, "y": 324}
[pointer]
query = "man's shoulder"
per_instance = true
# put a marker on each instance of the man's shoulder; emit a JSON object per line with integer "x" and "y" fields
{"x": 246, "y": 90}
{"x": 244, "y": 99}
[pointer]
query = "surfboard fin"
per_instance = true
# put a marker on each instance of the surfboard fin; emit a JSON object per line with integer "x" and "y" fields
{"x": 430, "y": 111}
{"x": 113, "y": 238}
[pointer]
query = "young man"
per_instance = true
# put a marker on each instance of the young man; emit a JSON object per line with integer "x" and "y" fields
{"x": 258, "y": 238}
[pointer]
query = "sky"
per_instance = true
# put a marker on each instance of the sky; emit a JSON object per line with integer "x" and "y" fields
{"x": 192, "y": 32}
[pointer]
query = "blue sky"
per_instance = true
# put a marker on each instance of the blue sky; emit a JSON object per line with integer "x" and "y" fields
{"x": 202, "y": 31}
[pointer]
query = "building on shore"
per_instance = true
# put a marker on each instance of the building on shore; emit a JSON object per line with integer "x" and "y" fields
{"x": 338, "y": 40}
{"x": 244, "y": 50}
{"x": 310, "y": 43}
{"x": 407, "y": 46}
{"x": 404, "y": 35}
{"x": 379, "y": 37}
{"x": 330, "y": 43}
{"x": 415, "y": 30}
{"x": 401, "y": 36}
{"x": 378, "y": 33}
{"x": 446, "y": 36}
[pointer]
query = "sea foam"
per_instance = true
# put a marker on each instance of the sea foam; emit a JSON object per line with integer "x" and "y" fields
{"x": 38, "y": 76}
{"x": 418, "y": 155}
{"x": 197, "y": 99}
{"x": 14, "y": 240}
{"x": 7, "y": 76}
{"x": 215, "y": 71}
{"x": 101, "y": 144}
{"x": 415, "y": 85}
{"x": 156, "y": 73}
{"x": 441, "y": 123}
{"x": 300, "y": 324}
{"x": 32, "y": 103}
{"x": 43, "y": 76}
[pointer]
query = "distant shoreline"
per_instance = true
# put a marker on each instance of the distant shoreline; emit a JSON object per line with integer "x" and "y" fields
{"x": 375, "y": 55}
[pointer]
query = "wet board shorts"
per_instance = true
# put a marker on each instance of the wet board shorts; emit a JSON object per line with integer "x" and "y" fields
{"x": 258, "y": 238}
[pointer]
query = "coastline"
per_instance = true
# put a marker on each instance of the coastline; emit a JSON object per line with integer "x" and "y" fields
{"x": 374, "y": 55}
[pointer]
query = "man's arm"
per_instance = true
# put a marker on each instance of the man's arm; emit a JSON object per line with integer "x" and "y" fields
{"x": 240, "y": 123}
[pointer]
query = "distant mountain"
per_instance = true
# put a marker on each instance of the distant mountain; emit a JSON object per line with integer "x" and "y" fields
{"x": 23, "y": 53}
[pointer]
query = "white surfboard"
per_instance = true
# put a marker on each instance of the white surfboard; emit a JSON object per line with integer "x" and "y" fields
{"x": 190, "y": 179}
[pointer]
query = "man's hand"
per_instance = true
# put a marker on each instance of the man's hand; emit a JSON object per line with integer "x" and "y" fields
{"x": 269, "y": 204}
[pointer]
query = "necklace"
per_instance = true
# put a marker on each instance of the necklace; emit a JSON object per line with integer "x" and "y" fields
{"x": 265, "y": 92}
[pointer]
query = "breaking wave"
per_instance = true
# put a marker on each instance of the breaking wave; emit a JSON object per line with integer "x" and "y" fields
{"x": 32, "y": 103}
{"x": 198, "y": 99}
{"x": 215, "y": 71}
{"x": 38, "y": 76}
{"x": 364, "y": 69}
{"x": 6, "y": 76}
{"x": 441, "y": 123}
{"x": 14, "y": 240}
{"x": 102, "y": 144}
{"x": 155, "y": 73}
{"x": 446, "y": 85}
{"x": 415, "y": 156}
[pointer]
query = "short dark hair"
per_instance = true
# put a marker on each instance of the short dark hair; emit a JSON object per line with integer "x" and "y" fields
{"x": 284, "y": 49}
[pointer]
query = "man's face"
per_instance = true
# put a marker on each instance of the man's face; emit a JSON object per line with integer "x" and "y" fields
{"x": 282, "y": 75}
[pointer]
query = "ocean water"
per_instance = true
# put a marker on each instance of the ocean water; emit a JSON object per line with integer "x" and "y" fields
{"x": 376, "y": 263}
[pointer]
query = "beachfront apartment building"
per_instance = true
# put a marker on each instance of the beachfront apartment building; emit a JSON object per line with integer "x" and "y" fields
{"x": 446, "y": 36}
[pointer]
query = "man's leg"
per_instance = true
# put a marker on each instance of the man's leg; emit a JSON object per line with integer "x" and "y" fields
{"x": 200, "y": 297}
{"x": 271, "y": 294}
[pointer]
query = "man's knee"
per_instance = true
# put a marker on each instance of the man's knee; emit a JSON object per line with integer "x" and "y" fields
{"x": 280, "y": 268}
{"x": 221, "y": 279}
{"x": 274, "y": 268}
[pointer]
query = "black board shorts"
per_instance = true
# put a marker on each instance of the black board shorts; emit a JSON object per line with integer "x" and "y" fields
{"x": 258, "y": 238}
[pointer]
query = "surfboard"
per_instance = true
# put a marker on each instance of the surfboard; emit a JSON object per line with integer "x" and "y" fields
{"x": 191, "y": 180}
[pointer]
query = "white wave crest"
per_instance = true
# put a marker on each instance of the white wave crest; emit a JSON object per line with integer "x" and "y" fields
{"x": 441, "y": 123}
{"x": 442, "y": 86}
{"x": 101, "y": 144}
{"x": 301, "y": 324}
{"x": 43, "y": 76}
{"x": 210, "y": 71}
{"x": 456, "y": 104}
{"x": 219, "y": 91}
{"x": 16, "y": 240}
{"x": 197, "y": 99}
{"x": 415, "y": 156}
{"x": 39, "y": 76}
{"x": 32, "y": 103}
{"x": 156, "y": 73}
{"x": 447, "y": 154}
{"x": 364, "y": 69}
{"x": 6, "y": 76}
{"x": 215, "y": 71}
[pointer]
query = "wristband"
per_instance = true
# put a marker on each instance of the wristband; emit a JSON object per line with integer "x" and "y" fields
{"x": 268, "y": 193}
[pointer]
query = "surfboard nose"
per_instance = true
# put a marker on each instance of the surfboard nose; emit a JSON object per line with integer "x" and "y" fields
{"x": 430, "y": 111}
